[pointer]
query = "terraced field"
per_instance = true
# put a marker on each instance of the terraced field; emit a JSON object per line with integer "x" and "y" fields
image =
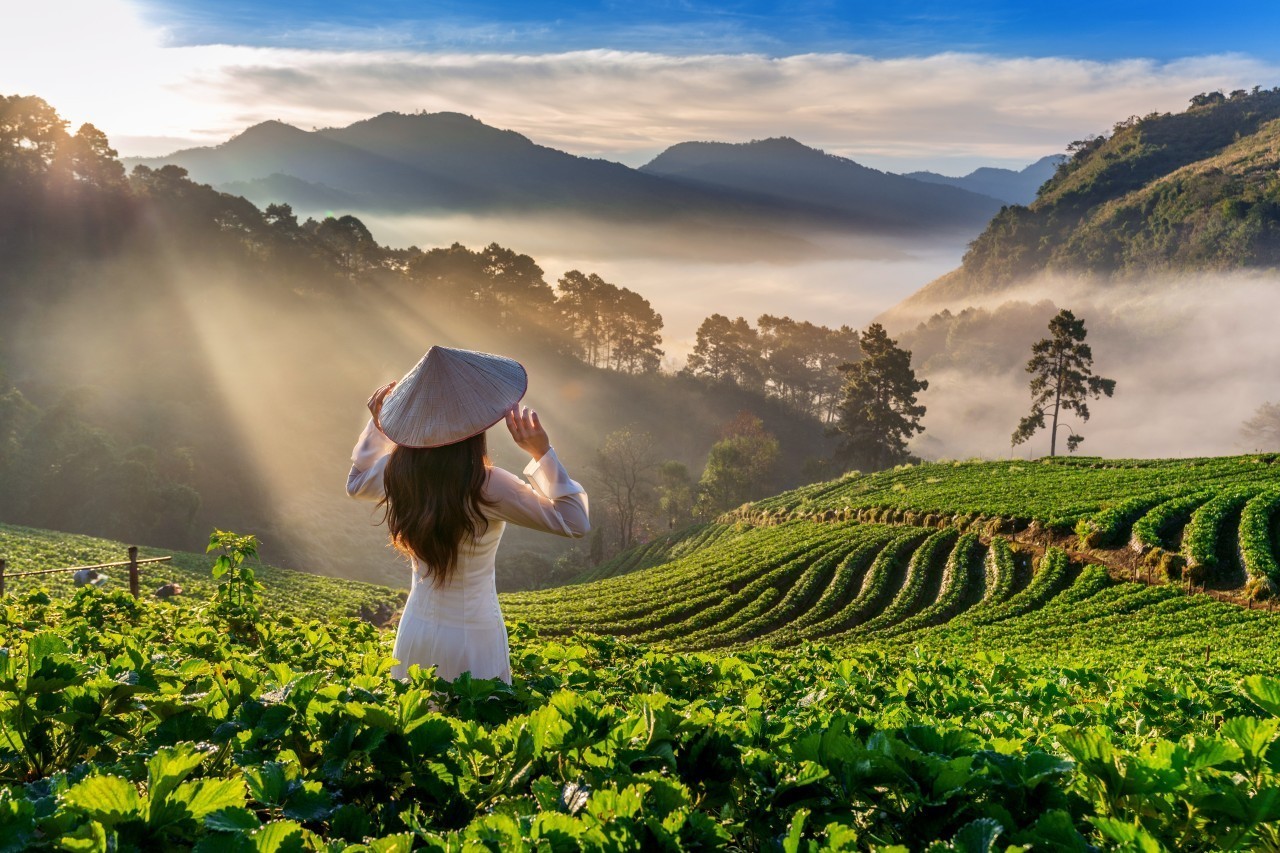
{"x": 890, "y": 556}
{"x": 853, "y": 666}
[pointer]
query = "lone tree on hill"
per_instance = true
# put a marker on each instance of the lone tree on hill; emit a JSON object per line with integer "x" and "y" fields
{"x": 1262, "y": 430}
{"x": 1062, "y": 379}
{"x": 878, "y": 412}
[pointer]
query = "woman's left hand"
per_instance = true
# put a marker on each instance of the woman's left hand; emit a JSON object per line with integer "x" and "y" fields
{"x": 527, "y": 432}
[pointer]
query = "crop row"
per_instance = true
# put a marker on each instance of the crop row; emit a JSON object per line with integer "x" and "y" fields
{"x": 1157, "y": 527}
{"x": 923, "y": 572}
{"x": 1258, "y": 538}
{"x": 962, "y": 581}
{"x": 1207, "y": 541}
{"x": 1055, "y": 492}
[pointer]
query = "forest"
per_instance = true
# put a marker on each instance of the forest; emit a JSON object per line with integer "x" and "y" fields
{"x": 126, "y": 297}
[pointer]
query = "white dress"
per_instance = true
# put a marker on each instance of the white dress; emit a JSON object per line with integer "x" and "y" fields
{"x": 458, "y": 627}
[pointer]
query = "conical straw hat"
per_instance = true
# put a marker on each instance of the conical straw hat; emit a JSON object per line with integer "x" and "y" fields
{"x": 451, "y": 395}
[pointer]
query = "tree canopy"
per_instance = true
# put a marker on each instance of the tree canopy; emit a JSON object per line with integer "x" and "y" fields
{"x": 878, "y": 412}
{"x": 1062, "y": 380}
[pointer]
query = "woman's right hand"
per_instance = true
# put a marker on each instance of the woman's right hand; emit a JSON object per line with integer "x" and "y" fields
{"x": 527, "y": 432}
{"x": 378, "y": 398}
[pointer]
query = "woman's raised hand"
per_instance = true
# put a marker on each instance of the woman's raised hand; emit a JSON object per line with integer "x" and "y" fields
{"x": 378, "y": 397}
{"x": 527, "y": 432}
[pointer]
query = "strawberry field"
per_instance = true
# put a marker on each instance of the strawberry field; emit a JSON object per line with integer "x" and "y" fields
{"x": 812, "y": 673}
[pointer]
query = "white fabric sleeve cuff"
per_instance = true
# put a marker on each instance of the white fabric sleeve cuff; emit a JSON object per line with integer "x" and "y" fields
{"x": 549, "y": 477}
{"x": 370, "y": 447}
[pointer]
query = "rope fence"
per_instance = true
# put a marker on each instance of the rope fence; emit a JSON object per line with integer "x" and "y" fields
{"x": 133, "y": 563}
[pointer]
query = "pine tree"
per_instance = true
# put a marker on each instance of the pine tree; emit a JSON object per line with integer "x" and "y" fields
{"x": 1062, "y": 379}
{"x": 879, "y": 412}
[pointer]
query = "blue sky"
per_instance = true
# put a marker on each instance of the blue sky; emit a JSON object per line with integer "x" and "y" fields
{"x": 1087, "y": 29}
{"x": 939, "y": 86}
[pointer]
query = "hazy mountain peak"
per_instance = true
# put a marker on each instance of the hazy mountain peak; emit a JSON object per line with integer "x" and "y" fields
{"x": 267, "y": 131}
{"x": 1012, "y": 186}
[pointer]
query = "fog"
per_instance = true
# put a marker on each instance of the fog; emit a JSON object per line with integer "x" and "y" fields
{"x": 1192, "y": 356}
{"x": 268, "y": 390}
{"x": 690, "y": 273}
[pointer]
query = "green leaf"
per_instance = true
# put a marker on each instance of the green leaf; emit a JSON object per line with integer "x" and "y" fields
{"x": 795, "y": 833}
{"x": 231, "y": 819}
{"x": 266, "y": 783}
{"x": 1265, "y": 693}
{"x": 108, "y": 799}
{"x": 373, "y": 715}
{"x": 17, "y": 825}
{"x": 978, "y": 836}
{"x": 309, "y": 805}
{"x": 281, "y": 836}
{"x": 401, "y": 843}
{"x": 1252, "y": 734}
{"x": 209, "y": 795}
{"x": 43, "y": 645}
{"x": 90, "y": 838}
{"x": 169, "y": 766}
{"x": 1129, "y": 836}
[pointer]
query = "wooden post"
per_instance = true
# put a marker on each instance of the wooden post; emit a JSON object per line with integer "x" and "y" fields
{"x": 1, "y": 577}
{"x": 133, "y": 570}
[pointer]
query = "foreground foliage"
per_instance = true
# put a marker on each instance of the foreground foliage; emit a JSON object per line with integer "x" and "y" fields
{"x": 137, "y": 724}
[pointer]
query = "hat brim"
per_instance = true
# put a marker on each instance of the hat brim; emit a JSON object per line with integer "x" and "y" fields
{"x": 524, "y": 390}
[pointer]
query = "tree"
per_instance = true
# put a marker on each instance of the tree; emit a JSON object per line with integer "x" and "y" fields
{"x": 726, "y": 349}
{"x": 1062, "y": 379}
{"x": 878, "y": 411}
{"x": 611, "y": 326}
{"x": 675, "y": 493}
{"x": 801, "y": 362}
{"x": 625, "y": 464}
{"x": 739, "y": 467}
{"x": 92, "y": 159}
{"x": 1262, "y": 430}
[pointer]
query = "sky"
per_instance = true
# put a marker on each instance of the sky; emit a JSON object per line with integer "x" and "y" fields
{"x": 899, "y": 86}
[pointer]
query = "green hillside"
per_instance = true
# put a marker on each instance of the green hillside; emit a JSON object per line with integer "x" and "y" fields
{"x": 301, "y": 594}
{"x": 1192, "y": 191}
{"x": 969, "y": 544}
{"x": 942, "y": 657}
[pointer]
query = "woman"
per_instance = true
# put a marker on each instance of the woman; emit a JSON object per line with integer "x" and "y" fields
{"x": 423, "y": 457}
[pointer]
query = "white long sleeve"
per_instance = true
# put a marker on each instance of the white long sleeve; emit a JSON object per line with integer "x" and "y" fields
{"x": 551, "y": 501}
{"x": 368, "y": 459}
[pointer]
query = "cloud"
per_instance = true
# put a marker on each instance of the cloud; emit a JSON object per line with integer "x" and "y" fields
{"x": 100, "y": 62}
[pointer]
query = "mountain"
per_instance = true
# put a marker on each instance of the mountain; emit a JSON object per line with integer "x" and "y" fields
{"x": 1007, "y": 185}
{"x": 452, "y": 163}
{"x": 790, "y": 173}
{"x": 1179, "y": 193}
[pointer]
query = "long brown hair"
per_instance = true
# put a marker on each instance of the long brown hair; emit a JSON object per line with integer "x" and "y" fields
{"x": 434, "y": 500}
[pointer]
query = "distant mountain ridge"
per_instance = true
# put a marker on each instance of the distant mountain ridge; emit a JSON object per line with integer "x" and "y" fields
{"x": 1007, "y": 185}
{"x": 783, "y": 169}
{"x": 1166, "y": 194}
{"x": 449, "y": 162}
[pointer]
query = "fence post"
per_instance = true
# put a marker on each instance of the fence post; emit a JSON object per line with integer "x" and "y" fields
{"x": 1, "y": 577}
{"x": 133, "y": 570}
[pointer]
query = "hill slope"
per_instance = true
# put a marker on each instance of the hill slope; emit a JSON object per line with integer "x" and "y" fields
{"x": 892, "y": 554}
{"x": 1182, "y": 192}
